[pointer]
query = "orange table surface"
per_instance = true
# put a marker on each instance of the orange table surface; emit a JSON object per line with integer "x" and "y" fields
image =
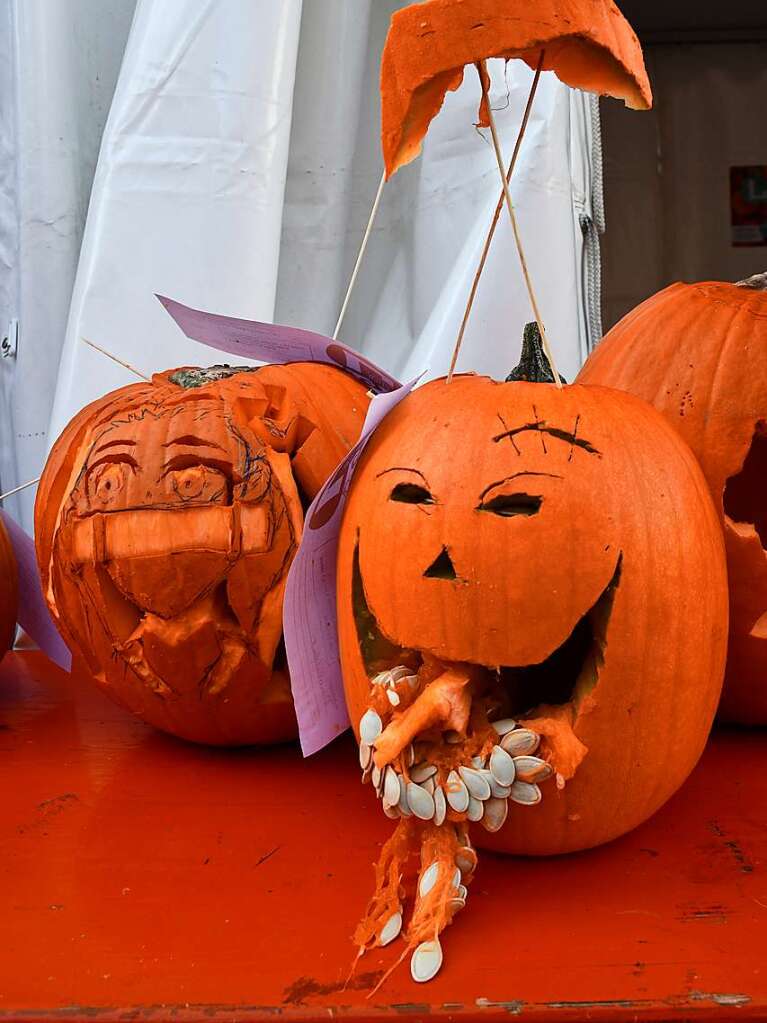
{"x": 145, "y": 878}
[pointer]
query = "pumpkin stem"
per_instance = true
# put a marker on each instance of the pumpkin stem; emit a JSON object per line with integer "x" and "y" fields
{"x": 193, "y": 376}
{"x": 534, "y": 366}
{"x": 757, "y": 282}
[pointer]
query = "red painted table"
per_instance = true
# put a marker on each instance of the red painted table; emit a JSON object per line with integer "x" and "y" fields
{"x": 143, "y": 878}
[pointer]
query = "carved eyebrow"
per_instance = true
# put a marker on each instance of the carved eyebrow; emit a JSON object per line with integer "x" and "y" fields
{"x": 114, "y": 444}
{"x": 516, "y": 475}
{"x": 564, "y": 435}
{"x": 190, "y": 441}
{"x": 402, "y": 468}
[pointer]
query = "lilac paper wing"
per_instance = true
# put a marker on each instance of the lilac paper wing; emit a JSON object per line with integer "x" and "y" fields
{"x": 273, "y": 342}
{"x": 34, "y": 617}
{"x": 309, "y": 612}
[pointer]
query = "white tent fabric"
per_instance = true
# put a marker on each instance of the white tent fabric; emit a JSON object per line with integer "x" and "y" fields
{"x": 236, "y": 173}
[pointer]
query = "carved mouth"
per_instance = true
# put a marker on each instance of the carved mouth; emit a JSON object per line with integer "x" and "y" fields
{"x": 565, "y": 676}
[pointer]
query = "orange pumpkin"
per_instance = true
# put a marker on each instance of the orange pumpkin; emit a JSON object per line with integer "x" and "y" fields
{"x": 9, "y": 594}
{"x": 166, "y": 520}
{"x": 698, "y": 352}
{"x": 587, "y": 43}
{"x": 531, "y": 586}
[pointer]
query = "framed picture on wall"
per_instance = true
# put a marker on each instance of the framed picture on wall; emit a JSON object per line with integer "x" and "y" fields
{"x": 748, "y": 205}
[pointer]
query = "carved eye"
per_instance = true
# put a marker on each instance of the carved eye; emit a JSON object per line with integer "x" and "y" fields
{"x": 107, "y": 480}
{"x": 198, "y": 481}
{"x": 509, "y": 505}
{"x": 411, "y": 493}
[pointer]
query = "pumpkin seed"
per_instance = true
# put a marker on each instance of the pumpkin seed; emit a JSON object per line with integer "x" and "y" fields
{"x": 496, "y": 811}
{"x": 402, "y": 805}
{"x": 526, "y": 794}
{"x": 390, "y": 929}
{"x": 466, "y": 860}
{"x": 475, "y": 783}
{"x": 457, "y": 878}
{"x": 400, "y": 672}
{"x": 380, "y": 679}
{"x": 428, "y": 879}
{"x": 366, "y": 755}
{"x": 391, "y": 811}
{"x": 521, "y": 741}
{"x": 457, "y": 793}
{"x": 426, "y": 961}
{"x": 477, "y": 763}
{"x": 420, "y": 801}
{"x": 371, "y": 726}
{"x": 463, "y": 892}
{"x": 476, "y": 809}
{"x": 392, "y": 697}
{"x": 502, "y": 766}
{"x": 504, "y": 725}
{"x": 430, "y": 785}
{"x": 410, "y": 756}
{"x": 499, "y": 791}
{"x": 440, "y": 806}
{"x": 391, "y": 787}
{"x": 422, "y": 771}
{"x": 456, "y": 905}
{"x": 532, "y": 769}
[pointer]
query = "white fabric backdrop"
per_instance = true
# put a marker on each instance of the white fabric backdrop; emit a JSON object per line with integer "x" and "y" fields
{"x": 236, "y": 173}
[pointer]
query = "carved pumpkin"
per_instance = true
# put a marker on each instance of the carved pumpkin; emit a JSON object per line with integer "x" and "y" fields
{"x": 698, "y": 352}
{"x": 589, "y": 45}
{"x": 8, "y": 591}
{"x": 167, "y": 518}
{"x": 531, "y": 586}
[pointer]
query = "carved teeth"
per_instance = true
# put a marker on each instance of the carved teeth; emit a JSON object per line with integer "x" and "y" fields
{"x": 521, "y": 741}
{"x": 526, "y": 794}
{"x": 532, "y": 769}
{"x": 371, "y": 727}
{"x": 420, "y": 801}
{"x": 475, "y": 783}
{"x": 502, "y": 766}
{"x": 457, "y": 793}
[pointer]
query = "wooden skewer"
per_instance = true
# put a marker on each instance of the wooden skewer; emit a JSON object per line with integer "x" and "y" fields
{"x": 10, "y": 493}
{"x": 483, "y": 76}
{"x": 114, "y": 358}
{"x": 496, "y": 217}
{"x": 360, "y": 255}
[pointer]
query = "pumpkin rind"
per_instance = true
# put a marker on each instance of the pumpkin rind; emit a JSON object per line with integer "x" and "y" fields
{"x": 588, "y": 43}
{"x": 623, "y": 510}
{"x": 166, "y": 520}
{"x": 698, "y": 352}
{"x": 9, "y": 591}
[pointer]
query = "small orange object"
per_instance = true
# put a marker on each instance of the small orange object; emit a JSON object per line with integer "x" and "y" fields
{"x": 698, "y": 352}
{"x": 167, "y": 518}
{"x": 9, "y": 594}
{"x": 588, "y": 44}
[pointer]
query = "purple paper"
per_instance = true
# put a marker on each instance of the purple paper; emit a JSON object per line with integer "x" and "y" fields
{"x": 273, "y": 342}
{"x": 309, "y": 612}
{"x": 34, "y": 617}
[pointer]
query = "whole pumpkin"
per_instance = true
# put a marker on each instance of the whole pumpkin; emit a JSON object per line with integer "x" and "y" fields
{"x": 167, "y": 518}
{"x": 8, "y": 591}
{"x": 698, "y": 352}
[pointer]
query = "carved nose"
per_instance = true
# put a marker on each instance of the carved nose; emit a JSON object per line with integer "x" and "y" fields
{"x": 441, "y": 567}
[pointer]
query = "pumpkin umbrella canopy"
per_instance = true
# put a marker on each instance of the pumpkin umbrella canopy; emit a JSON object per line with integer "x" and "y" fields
{"x": 588, "y": 44}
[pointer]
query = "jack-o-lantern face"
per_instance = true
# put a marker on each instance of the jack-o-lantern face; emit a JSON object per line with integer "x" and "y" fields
{"x": 168, "y": 516}
{"x": 531, "y": 589}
